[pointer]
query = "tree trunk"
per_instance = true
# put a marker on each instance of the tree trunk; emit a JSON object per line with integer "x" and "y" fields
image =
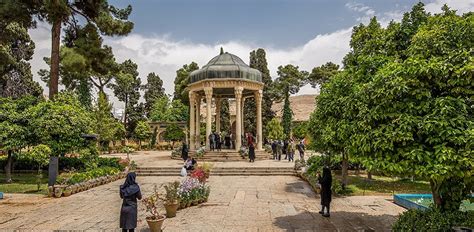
{"x": 8, "y": 167}
{"x": 435, "y": 191}
{"x": 55, "y": 41}
{"x": 53, "y": 170}
{"x": 369, "y": 175}
{"x": 345, "y": 165}
{"x": 139, "y": 145}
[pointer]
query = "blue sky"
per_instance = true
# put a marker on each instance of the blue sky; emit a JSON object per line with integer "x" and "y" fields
{"x": 279, "y": 23}
{"x": 306, "y": 33}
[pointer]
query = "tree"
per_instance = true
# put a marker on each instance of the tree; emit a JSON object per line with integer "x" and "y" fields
{"x": 300, "y": 130}
{"x": 108, "y": 19}
{"x": 14, "y": 128}
{"x": 40, "y": 156}
{"x": 153, "y": 91}
{"x": 404, "y": 101}
{"x": 290, "y": 80}
{"x": 16, "y": 49}
{"x": 181, "y": 82}
{"x": 275, "y": 130}
{"x": 225, "y": 116}
{"x": 173, "y": 133}
{"x": 322, "y": 74}
{"x": 60, "y": 124}
{"x": 258, "y": 61}
{"x": 141, "y": 132}
{"x": 104, "y": 123}
{"x": 159, "y": 110}
{"x": 126, "y": 89}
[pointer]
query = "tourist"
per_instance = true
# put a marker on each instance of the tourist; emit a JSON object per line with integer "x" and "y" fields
{"x": 190, "y": 164}
{"x": 279, "y": 148}
{"x": 217, "y": 141}
{"x": 211, "y": 141}
{"x": 274, "y": 149}
{"x": 301, "y": 149}
{"x": 285, "y": 148}
{"x": 227, "y": 142}
{"x": 184, "y": 151}
{"x": 291, "y": 151}
{"x": 251, "y": 146}
{"x": 129, "y": 192}
{"x": 325, "y": 181}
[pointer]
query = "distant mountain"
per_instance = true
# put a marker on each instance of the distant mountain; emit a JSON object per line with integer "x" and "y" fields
{"x": 302, "y": 106}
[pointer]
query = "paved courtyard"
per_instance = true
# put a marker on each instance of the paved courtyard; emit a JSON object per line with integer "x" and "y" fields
{"x": 253, "y": 203}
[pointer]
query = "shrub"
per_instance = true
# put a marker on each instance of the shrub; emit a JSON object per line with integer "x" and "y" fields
{"x": 433, "y": 220}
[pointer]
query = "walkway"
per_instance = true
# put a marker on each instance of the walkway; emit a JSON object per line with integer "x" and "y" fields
{"x": 282, "y": 203}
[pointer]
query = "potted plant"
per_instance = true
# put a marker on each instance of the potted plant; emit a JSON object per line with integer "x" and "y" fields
{"x": 155, "y": 219}
{"x": 171, "y": 199}
{"x": 67, "y": 191}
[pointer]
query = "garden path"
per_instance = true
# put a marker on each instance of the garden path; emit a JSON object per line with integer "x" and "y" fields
{"x": 236, "y": 203}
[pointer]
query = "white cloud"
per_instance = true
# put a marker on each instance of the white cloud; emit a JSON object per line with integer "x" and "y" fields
{"x": 164, "y": 56}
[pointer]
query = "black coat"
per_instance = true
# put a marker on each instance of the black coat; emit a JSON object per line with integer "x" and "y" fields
{"x": 129, "y": 192}
{"x": 325, "y": 182}
{"x": 184, "y": 152}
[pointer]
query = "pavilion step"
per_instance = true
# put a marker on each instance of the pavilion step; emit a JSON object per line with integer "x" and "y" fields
{"x": 222, "y": 171}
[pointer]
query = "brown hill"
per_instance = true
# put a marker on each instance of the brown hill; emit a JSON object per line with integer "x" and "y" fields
{"x": 302, "y": 106}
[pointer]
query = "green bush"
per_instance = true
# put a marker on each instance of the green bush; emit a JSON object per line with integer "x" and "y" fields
{"x": 433, "y": 220}
{"x": 71, "y": 178}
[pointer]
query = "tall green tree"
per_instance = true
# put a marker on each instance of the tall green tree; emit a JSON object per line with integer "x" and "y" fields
{"x": 15, "y": 130}
{"x": 165, "y": 111}
{"x": 322, "y": 74}
{"x": 174, "y": 133}
{"x": 153, "y": 91}
{"x": 159, "y": 110}
{"x": 141, "y": 132}
{"x": 60, "y": 124}
{"x": 104, "y": 123}
{"x": 126, "y": 88}
{"x": 290, "y": 80}
{"x": 225, "y": 116}
{"x": 108, "y": 19}
{"x": 181, "y": 81}
{"x": 275, "y": 130}
{"x": 411, "y": 90}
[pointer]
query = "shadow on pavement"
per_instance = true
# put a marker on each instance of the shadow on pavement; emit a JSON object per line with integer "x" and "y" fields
{"x": 339, "y": 221}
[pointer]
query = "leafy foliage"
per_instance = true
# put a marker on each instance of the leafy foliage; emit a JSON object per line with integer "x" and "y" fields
{"x": 153, "y": 91}
{"x": 274, "y": 130}
{"x": 404, "y": 101}
{"x": 433, "y": 220}
{"x": 164, "y": 111}
{"x": 181, "y": 81}
{"x": 322, "y": 74}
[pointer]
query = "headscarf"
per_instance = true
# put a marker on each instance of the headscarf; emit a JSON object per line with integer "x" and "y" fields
{"x": 327, "y": 177}
{"x": 130, "y": 187}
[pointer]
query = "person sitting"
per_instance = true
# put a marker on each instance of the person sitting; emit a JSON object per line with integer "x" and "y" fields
{"x": 189, "y": 164}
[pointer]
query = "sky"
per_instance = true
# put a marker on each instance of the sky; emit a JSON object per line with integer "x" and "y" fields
{"x": 307, "y": 33}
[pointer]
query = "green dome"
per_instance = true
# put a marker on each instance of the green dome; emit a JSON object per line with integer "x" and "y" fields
{"x": 226, "y": 65}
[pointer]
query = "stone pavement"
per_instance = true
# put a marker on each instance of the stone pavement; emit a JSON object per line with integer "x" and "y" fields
{"x": 236, "y": 203}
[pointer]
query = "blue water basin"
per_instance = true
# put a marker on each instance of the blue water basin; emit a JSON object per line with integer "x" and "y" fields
{"x": 423, "y": 201}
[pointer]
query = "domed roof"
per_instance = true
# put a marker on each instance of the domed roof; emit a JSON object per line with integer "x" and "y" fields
{"x": 225, "y": 65}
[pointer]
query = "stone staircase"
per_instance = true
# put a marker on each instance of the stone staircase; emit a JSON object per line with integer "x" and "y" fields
{"x": 229, "y": 156}
{"x": 220, "y": 171}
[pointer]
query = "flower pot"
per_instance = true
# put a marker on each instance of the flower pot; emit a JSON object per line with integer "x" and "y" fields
{"x": 67, "y": 191}
{"x": 58, "y": 191}
{"x": 171, "y": 210}
{"x": 182, "y": 205}
{"x": 195, "y": 202}
{"x": 155, "y": 225}
{"x": 50, "y": 191}
{"x": 188, "y": 204}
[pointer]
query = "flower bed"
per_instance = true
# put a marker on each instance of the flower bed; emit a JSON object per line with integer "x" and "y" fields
{"x": 69, "y": 183}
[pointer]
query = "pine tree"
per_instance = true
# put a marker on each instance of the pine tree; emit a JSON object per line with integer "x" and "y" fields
{"x": 153, "y": 91}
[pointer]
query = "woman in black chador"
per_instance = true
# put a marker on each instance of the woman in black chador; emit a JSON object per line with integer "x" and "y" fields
{"x": 325, "y": 181}
{"x": 184, "y": 151}
{"x": 129, "y": 192}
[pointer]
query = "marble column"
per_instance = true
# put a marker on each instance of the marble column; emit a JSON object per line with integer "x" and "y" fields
{"x": 238, "y": 117}
{"x": 192, "y": 121}
{"x": 208, "y": 92}
{"x": 242, "y": 118}
{"x": 197, "y": 125}
{"x": 218, "y": 114}
{"x": 258, "y": 101}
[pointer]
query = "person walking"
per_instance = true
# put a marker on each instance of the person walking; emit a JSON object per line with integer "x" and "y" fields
{"x": 184, "y": 151}
{"x": 274, "y": 149}
{"x": 285, "y": 148}
{"x": 211, "y": 141}
{"x": 129, "y": 192}
{"x": 291, "y": 151}
{"x": 301, "y": 149}
{"x": 251, "y": 146}
{"x": 279, "y": 149}
{"x": 217, "y": 144}
{"x": 325, "y": 181}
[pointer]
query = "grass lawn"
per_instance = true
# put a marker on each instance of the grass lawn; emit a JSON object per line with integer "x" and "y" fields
{"x": 24, "y": 183}
{"x": 382, "y": 185}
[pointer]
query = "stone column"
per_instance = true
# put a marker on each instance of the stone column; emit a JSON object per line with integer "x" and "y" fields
{"x": 258, "y": 101}
{"x": 208, "y": 92}
{"x": 197, "y": 125}
{"x": 218, "y": 114}
{"x": 242, "y": 118}
{"x": 238, "y": 117}
{"x": 192, "y": 121}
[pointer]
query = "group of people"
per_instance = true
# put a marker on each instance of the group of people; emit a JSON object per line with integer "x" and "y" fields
{"x": 288, "y": 148}
{"x": 217, "y": 141}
